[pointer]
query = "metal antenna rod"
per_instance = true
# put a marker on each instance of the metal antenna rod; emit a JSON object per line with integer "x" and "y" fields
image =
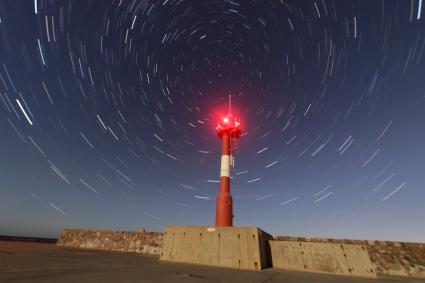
{"x": 230, "y": 103}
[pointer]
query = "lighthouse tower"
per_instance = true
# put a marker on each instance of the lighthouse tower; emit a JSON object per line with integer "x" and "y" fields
{"x": 228, "y": 128}
{"x": 222, "y": 245}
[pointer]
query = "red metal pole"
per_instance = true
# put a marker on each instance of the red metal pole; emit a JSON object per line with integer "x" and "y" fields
{"x": 224, "y": 202}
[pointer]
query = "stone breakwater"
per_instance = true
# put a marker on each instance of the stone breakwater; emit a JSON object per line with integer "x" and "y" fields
{"x": 389, "y": 258}
{"x": 121, "y": 241}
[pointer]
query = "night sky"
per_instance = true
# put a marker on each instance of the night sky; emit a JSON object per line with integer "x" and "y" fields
{"x": 108, "y": 111}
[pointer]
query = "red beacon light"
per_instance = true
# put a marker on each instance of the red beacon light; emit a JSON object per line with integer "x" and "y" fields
{"x": 229, "y": 124}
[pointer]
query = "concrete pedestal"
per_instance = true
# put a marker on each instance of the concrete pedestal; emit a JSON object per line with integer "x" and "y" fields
{"x": 234, "y": 247}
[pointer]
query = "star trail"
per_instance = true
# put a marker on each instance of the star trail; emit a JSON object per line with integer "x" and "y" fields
{"x": 108, "y": 110}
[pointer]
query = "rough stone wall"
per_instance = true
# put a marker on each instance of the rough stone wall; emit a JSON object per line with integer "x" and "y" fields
{"x": 391, "y": 258}
{"x": 122, "y": 241}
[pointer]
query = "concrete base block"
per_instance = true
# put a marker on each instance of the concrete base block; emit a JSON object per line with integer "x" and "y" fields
{"x": 234, "y": 247}
{"x": 343, "y": 259}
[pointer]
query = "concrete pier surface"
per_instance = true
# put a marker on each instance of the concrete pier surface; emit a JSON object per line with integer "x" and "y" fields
{"x": 38, "y": 262}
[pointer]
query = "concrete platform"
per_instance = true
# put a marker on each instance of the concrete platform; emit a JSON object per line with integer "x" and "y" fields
{"x": 47, "y": 263}
{"x": 342, "y": 259}
{"x": 232, "y": 247}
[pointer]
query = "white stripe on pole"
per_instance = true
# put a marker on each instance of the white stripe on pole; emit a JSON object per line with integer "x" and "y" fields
{"x": 225, "y": 166}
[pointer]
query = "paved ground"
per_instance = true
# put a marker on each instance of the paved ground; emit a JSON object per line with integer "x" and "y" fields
{"x": 35, "y": 262}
